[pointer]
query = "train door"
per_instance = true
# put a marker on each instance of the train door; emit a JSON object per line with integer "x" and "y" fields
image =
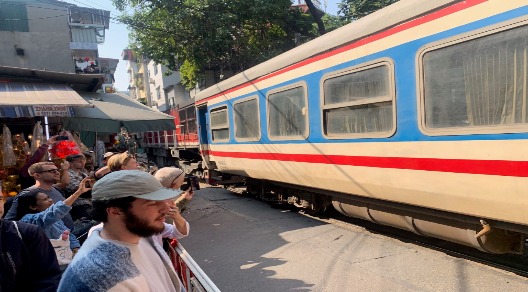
{"x": 203, "y": 129}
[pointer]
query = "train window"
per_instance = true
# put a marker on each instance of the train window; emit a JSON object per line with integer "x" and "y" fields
{"x": 219, "y": 124}
{"x": 187, "y": 120}
{"x": 479, "y": 83}
{"x": 247, "y": 125}
{"x": 191, "y": 120}
{"x": 359, "y": 102}
{"x": 183, "y": 121}
{"x": 287, "y": 113}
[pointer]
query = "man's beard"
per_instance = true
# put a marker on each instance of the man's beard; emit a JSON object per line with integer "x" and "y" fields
{"x": 139, "y": 226}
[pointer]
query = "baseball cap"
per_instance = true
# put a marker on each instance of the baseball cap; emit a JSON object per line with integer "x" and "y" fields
{"x": 71, "y": 158}
{"x": 131, "y": 183}
{"x": 167, "y": 175}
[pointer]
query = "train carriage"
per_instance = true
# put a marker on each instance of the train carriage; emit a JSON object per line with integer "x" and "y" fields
{"x": 414, "y": 116}
{"x": 178, "y": 147}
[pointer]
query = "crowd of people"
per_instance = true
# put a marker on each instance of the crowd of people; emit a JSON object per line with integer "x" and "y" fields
{"x": 75, "y": 230}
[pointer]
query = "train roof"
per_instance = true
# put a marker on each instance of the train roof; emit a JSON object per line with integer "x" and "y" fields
{"x": 393, "y": 15}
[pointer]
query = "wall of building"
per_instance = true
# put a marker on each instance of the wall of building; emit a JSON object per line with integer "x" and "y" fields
{"x": 46, "y": 45}
{"x": 181, "y": 94}
{"x": 132, "y": 70}
{"x": 170, "y": 89}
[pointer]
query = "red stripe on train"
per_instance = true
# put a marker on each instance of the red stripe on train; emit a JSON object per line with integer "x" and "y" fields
{"x": 486, "y": 167}
{"x": 413, "y": 23}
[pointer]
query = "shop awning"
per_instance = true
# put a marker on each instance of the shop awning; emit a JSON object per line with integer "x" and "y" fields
{"x": 35, "y": 111}
{"x": 21, "y": 99}
{"x": 39, "y": 94}
{"x": 111, "y": 111}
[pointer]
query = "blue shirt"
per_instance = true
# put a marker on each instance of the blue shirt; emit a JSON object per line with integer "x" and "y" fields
{"x": 50, "y": 221}
{"x": 53, "y": 193}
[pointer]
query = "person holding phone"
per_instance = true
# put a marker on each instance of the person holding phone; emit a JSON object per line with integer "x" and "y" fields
{"x": 70, "y": 181}
{"x": 173, "y": 178}
{"x": 46, "y": 175}
{"x": 27, "y": 180}
{"x": 36, "y": 207}
{"x": 74, "y": 174}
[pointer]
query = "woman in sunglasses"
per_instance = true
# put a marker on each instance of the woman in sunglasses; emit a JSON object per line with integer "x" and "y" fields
{"x": 122, "y": 161}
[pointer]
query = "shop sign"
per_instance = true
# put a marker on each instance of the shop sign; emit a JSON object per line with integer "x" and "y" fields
{"x": 51, "y": 111}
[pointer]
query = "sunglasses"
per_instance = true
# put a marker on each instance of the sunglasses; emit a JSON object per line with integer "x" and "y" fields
{"x": 176, "y": 178}
{"x": 55, "y": 170}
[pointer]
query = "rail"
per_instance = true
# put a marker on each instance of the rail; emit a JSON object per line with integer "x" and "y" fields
{"x": 169, "y": 139}
{"x": 191, "y": 275}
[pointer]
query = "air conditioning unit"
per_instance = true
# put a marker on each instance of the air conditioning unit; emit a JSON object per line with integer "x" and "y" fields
{"x": 151, "y": 80}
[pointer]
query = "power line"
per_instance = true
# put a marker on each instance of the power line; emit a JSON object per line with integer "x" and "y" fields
{"x": 87, "y": 5}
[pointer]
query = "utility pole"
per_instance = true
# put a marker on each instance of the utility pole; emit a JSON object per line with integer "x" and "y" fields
{"x": 146, "y": 80}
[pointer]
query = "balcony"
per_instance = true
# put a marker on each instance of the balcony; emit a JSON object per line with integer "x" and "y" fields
{"x": 95, "y": 65}
{"x": 89, "y": 18}
{"x": 129, "y": 55}
{"x": 88, "y": 25}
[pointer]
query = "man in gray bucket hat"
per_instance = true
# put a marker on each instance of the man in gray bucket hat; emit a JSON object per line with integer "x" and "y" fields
{"x": 122, "y": 255}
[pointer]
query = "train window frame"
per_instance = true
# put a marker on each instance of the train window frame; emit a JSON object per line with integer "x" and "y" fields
{"x": 450, "y": 42}
{"x": 259, "y": 134}
{"x": 220, "y": 127}
{"x": 391, "y": 97}
{"x": 304, "y": 111}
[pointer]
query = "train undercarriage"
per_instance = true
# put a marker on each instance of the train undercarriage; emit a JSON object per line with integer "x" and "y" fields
{"x": 484, "y": 234}
{"x": 489, "y": 236}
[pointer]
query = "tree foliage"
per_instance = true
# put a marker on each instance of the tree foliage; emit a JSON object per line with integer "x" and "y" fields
{"x": 355, "y": 9}
{"x": 193, "y": 35}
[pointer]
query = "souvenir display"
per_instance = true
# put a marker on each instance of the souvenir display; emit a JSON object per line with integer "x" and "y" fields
{"x": 8, "y": 157}
{"x": 14, "y": 154}
{"x": 37, "y": 138}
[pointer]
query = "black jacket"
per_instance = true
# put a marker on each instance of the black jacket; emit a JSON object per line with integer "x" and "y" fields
{"x": 27, "y": 264}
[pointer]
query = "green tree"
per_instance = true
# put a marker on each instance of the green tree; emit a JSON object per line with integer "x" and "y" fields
{"x": 196, "y": 35}
{"x": 332, "y": 22}
{"x": 355, "y": 9}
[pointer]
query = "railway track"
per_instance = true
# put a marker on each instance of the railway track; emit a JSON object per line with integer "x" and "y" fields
{"x": 516, "y": 264}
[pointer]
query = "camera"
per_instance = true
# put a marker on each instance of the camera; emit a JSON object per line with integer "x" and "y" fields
{"x": 192, "y": 182}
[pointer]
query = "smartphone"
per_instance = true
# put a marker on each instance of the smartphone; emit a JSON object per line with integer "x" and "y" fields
{"x": 193, "y": 182}
{"x": 89, "y": 183}
{"x": 61, "y": 138}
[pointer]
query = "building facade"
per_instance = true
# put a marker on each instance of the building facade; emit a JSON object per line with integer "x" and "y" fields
{"x": 149, "y": 83}
{"x": 52, "y": 35}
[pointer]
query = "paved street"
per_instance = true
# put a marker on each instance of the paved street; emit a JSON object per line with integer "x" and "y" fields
{"x": 245, "y": 245}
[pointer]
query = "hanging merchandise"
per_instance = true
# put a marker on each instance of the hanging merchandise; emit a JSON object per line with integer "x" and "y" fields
{"x": 81, "y": 145}
{"x": 37, "y": 138}
{"x": 125, "y": 142}
{"x": 65, "y": 145}
{"x": 21, "y": 149}
{"x": 9, "y": 158}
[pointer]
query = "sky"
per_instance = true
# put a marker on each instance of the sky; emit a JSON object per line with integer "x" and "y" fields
{"x": 116, "y": 38}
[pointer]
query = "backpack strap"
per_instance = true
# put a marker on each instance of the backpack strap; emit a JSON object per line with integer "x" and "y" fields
{"x": 60, "y": 191}
{"x": 18, "y": 231}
